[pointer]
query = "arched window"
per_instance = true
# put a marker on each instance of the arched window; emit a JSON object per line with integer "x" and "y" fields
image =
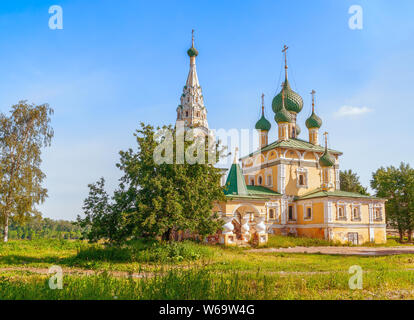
{"x": 259, "y": 180}
{"x": 186, "y": 113}
{"x": 271, "y": 214}
{"x": 301, "y": 180}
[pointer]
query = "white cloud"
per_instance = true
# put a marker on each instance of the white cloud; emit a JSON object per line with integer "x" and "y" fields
{"x": 350, "y": 111}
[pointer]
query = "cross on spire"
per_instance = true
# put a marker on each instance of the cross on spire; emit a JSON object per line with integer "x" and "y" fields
{"x": 326, "y": 139}
{"x": 284, "y": 50}
{"x": 313, "y": 100}
{"x": 192, "y": 38}
{"x": 262, "y": 104}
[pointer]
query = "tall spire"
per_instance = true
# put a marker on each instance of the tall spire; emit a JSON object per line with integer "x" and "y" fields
{"x": 285, "y": 47}
{"x": 192, "y": 110}
{"x": 192, "y": 79}
{"x": 326, "y": 140}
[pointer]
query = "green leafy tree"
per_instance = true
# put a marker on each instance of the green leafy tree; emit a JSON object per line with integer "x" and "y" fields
{"x": 154, "y": 199}
{"x": 350, "y": 182}
{"x": 22, "y": 136}
{"x": 397, "y": 185}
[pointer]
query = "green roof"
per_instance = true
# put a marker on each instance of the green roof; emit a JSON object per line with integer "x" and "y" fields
{"x": 293, "y": 143}
{"x": 318, "y": 193}
{"x": 236, "y": 186}
{"x": 263, "y": 124}
{"x": 313, "y": 121}
{"x": 293, "y": 101}
{"x": 327, "y": 160}
{"x": 259, "y": 190}
{"x": 283, "y": 116}
{"x": 192, "y": 52}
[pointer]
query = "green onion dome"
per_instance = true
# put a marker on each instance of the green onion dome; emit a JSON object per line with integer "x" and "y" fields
{"x": 298, "y": 130}
{"x": 263, "y": 124}
{"x": 192, "y": 52}
{"x": 327, "y": 160}
{"x": 313, "y": 121}
{"x": 283, "y": 116}
{"x": 293, "y": 101}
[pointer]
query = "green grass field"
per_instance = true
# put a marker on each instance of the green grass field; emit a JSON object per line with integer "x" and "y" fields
{"x": 187, "y": 270}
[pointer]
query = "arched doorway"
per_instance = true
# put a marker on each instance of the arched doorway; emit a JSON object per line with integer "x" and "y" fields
{"x": 237, "y": 223}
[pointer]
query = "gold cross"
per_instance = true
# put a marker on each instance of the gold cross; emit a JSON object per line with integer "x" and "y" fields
{"x": 192, "y": 37}
{"x": 313, "y": 100}
{"x": 262, "y": 103}
{"x": 285, "y": 47}
{"x": 326, "y": 138}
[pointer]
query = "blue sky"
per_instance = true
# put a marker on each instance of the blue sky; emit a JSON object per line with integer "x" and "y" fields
{"x": 116, "y": 63}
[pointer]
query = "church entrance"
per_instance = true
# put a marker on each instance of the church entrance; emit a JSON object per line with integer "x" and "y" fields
{"x": 237, "y": 226}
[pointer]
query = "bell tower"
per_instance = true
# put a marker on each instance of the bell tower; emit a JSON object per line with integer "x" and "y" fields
{"x": 191, "y": 109}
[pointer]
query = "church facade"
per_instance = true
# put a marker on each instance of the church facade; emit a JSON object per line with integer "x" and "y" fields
{"x": 290, "y": 186}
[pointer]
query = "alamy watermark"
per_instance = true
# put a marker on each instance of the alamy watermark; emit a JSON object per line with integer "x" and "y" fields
{"x": 355, "y": 282}
{"x": 56, "y": 280}
{"x": 56, "y": 18}
{"x": 201, "y": 145}
{"x": 355, "y": 21}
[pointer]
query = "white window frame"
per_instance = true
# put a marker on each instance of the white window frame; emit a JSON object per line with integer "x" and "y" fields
{"x": 275, "y": 207}
{"x": 304, "y": 172}
{"x": 269, "y": 180}
{"x": 293, "y": 212}
{"x": 343, "y": 206}
{"x": 379, "y": 208}
{"x": 358, "y": 207}
{"x": 306, "y": 206}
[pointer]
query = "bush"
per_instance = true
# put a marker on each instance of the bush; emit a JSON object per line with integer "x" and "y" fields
{"x": 145, "y": 251}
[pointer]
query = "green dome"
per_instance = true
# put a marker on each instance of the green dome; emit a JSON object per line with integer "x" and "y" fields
{"x": 298, "y": 130}
{"x": 263, "y": 124}
{"x": 327, "y": 160}
{"x": 192, "y": 52}
{"x": 313, "y": 121}
{"x": 293, "y": 101}
{"x": 283, "y": 116}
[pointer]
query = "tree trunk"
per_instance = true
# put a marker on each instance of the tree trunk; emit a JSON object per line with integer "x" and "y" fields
{"x": 167, "y": 235}
{"x": 401, "y": 233}
{"x": 409, "y": 235}
{"x": 6, "y": 229}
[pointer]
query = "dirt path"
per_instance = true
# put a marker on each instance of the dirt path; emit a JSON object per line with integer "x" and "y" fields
{"x": 360, "y": 251}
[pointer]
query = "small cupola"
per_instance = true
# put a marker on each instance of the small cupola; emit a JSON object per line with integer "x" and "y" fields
{"x": 263, "y": 126}
{"x": 313, "y": 123}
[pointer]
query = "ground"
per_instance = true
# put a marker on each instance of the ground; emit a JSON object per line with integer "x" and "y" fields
{"x": 196, "y": 271}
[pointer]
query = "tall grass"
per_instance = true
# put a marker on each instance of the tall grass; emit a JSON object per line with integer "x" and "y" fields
{"x": 278, "y": 241}
{"x": 203, "y": 284}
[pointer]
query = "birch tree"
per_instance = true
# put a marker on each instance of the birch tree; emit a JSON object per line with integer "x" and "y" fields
{"x": 22, "y": 136}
